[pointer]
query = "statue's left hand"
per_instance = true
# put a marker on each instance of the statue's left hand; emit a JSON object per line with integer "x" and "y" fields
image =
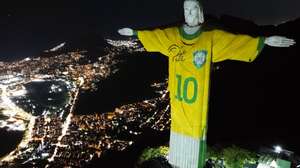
{"x": 126, "y": 31}
{"x": 279, "y": 41}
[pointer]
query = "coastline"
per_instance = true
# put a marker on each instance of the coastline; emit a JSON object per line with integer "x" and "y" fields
{"x": 25, "y": 140}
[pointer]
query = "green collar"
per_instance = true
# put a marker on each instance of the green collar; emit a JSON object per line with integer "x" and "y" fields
{"x": 189, "y": 36}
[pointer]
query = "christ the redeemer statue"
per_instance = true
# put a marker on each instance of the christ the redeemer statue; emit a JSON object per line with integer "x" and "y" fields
{"x": 191, "y": 51}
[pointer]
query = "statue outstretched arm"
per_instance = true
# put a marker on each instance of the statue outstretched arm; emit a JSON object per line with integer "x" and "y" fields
{"x": 127, "y": 32}
{"x": 130, "y": 45}
{"x": 279, "y": 41}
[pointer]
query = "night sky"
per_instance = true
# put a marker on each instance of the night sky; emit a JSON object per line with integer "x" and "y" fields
{"x": 251, "y": 104}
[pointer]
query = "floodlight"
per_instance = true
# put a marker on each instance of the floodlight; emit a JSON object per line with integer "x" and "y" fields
{"x": 278, "y": 149}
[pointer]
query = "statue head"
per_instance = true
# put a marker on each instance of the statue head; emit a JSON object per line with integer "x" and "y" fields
{"x": 193, "y": 13}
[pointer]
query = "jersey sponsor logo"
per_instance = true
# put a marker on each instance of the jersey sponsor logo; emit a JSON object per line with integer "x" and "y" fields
{"x": 199, "y": 58}
{"x": 176, "y": 52}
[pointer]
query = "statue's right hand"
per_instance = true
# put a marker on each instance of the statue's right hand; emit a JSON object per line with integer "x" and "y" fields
{"x": 126, "y": 31}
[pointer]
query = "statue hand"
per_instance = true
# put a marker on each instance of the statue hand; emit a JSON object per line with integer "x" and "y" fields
{"x": 279, "y": 41}
{"x": 126, "y": 32}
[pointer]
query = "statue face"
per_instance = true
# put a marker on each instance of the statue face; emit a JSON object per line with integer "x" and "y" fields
{"x": 193, "y": 14}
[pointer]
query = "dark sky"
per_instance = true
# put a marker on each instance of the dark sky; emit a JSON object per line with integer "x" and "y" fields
{"x": 154, "y": 11}
{"x": 259, "y": 98}
{"x": 263, "y": 12}
{"x": 27, "y": 26}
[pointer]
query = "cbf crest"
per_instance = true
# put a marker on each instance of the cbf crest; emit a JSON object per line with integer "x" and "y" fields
{"x": 199, "y": 58}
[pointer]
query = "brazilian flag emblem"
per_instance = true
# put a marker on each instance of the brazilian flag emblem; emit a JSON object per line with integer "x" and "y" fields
{"x": 199, "y": 58}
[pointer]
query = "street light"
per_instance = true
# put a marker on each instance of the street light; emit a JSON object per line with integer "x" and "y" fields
{"x": 278, "y": 149}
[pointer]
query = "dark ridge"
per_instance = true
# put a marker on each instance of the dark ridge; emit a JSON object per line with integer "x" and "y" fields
{"x": 130, "y": 84}
{"x": 261, "y": 94}
{"x": 157, "y": 162}
{"x": 91, "y": 42}
{"x": 86, "y": 41}
{"x": 129, "y": 157}
{"x": 237, "y": 25}
{"x": 9, "y": 141}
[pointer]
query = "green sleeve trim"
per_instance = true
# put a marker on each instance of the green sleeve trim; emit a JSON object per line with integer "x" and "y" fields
{"x": 135, "y": 33}
{"x": 261, "y": 44}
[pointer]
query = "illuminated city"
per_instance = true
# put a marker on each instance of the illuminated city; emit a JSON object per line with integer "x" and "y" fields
{"x": 54, "y": 135}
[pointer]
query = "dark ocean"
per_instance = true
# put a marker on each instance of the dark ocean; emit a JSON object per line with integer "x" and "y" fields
{"x": 27, "y": 34}
{"x": 44, "y": 95}
{"x": 9, "y": 141}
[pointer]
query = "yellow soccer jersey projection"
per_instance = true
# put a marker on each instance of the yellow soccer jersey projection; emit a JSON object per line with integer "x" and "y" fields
{"x": 190, "y": 58}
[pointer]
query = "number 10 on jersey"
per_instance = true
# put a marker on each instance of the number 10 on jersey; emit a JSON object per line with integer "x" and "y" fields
{"x": 182, "y": 89}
